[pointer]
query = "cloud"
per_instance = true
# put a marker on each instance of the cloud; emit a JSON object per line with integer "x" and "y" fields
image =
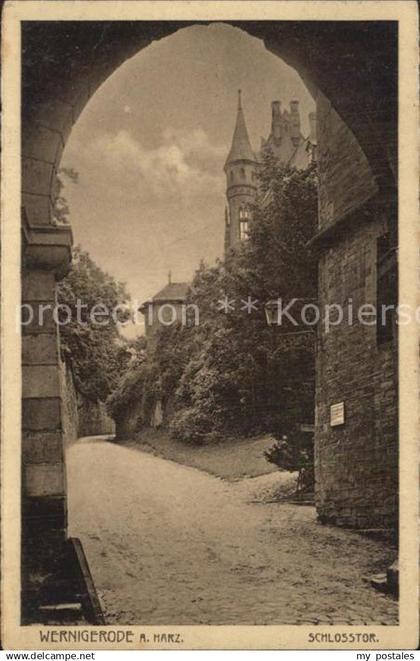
{"x": 183, "y": 162}
{"x": 194, "y": 142}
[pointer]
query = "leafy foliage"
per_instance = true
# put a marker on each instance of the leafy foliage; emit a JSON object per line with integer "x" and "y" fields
{"x": 92, "y": 344}
{"x": 231, "y": 374}
{"x": 295, "y": 453}
{"x": 128, "y": 391}
{"x": 61, "y": 208}
{"x": 244, "y": 377}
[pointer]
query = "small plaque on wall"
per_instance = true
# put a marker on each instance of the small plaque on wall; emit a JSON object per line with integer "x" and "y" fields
{"x": 337, "y": 414}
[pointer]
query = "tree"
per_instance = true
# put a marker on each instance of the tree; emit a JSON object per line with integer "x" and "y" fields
{"x": 232, "y": 375}
{"x": 90, "y": 341}
{"x": 243, "y": 377}
{"x": 61, "y": 210}
{"x": 96, "y": 352}
{"x": 130, "y": 391}
{"x": 295, "y": 453}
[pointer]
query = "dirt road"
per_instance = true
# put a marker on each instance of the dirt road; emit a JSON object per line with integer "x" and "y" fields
{"x": 169, "y": 544}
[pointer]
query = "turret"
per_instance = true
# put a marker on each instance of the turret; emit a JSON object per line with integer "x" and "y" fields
{"x": 286, "y": 140}
{"x": 312, "y": 127}
{"x": 276, "y": 120}
{"x": 312, "y": 138}
{"x": 240, "y": 168}
{"x": 295, "y": 133}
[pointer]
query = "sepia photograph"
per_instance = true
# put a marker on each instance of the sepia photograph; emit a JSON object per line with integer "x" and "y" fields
{"x": 210, "y": 421}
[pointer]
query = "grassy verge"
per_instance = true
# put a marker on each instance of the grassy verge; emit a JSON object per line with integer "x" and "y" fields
{"x": 231, "y": 460}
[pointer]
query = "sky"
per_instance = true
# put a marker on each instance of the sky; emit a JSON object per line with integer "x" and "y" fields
{"x": 150, "y": 146}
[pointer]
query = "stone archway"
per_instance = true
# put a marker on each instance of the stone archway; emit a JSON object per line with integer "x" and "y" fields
{"x": 63, "y": 64}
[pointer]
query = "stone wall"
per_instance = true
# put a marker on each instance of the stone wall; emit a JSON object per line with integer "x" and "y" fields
{"x": 82, "y": 416}
{"x": 140, "y": 414}
{"x": 345, "y": 178}
{"x": 130, "y": 422}
{"x": 44, "y": 502}
{"x": 356, "y": 463}
{"x": 93, "y": 418}
{"x": 43, "y": 472}
{"x": 69, "y": 407}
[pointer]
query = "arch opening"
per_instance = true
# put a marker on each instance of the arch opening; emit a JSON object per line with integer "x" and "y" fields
{"x": 54, "y": 101}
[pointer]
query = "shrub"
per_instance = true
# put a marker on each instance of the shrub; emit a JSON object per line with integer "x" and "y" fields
{"x": 194, "y": 426}
{"x": 295, "y": 453}
{"x": 231, "y": 375}
{"x": 129, "y": 390}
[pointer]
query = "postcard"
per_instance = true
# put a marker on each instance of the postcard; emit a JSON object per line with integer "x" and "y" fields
{"x": 209, "y": 325}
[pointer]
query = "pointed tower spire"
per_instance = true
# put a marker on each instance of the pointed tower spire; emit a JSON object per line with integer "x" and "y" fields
{"x": 241, "y": 149}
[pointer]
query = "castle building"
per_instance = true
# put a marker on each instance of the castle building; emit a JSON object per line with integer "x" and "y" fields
{"x": 286, "y": 140}
{"x": 164, "y": 308}
{"x": 287, "y": 144}
{"x": 241, "y": 182}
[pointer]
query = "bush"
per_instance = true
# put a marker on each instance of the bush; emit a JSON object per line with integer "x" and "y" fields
{"x": 295, "y": 453}
{"x": 195, "y": 427}
{"x": 129, "y": 390}
{"x": 96, "y": 353}
{"x": 230, "y": 375}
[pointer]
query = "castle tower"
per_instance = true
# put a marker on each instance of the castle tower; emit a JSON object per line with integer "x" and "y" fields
{"x": 286, "y": 141}
{"x": 240, "y": 169}
{"x": 312, "y": 139}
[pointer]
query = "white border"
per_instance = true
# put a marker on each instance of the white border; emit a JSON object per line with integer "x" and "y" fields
{"x": 404, "y": 635}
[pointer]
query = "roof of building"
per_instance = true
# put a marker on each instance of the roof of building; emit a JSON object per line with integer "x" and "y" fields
{"x": 241, "y": 149}
{"x": 173, "y": 291}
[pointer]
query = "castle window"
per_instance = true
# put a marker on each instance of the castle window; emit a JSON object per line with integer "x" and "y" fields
{"x": 243, "y": 230}
{"x": 231, "y": 175}
{"x": 243, "y": 173}
{"x": 244, "y": 217}
{"x": 386, "y": 289}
